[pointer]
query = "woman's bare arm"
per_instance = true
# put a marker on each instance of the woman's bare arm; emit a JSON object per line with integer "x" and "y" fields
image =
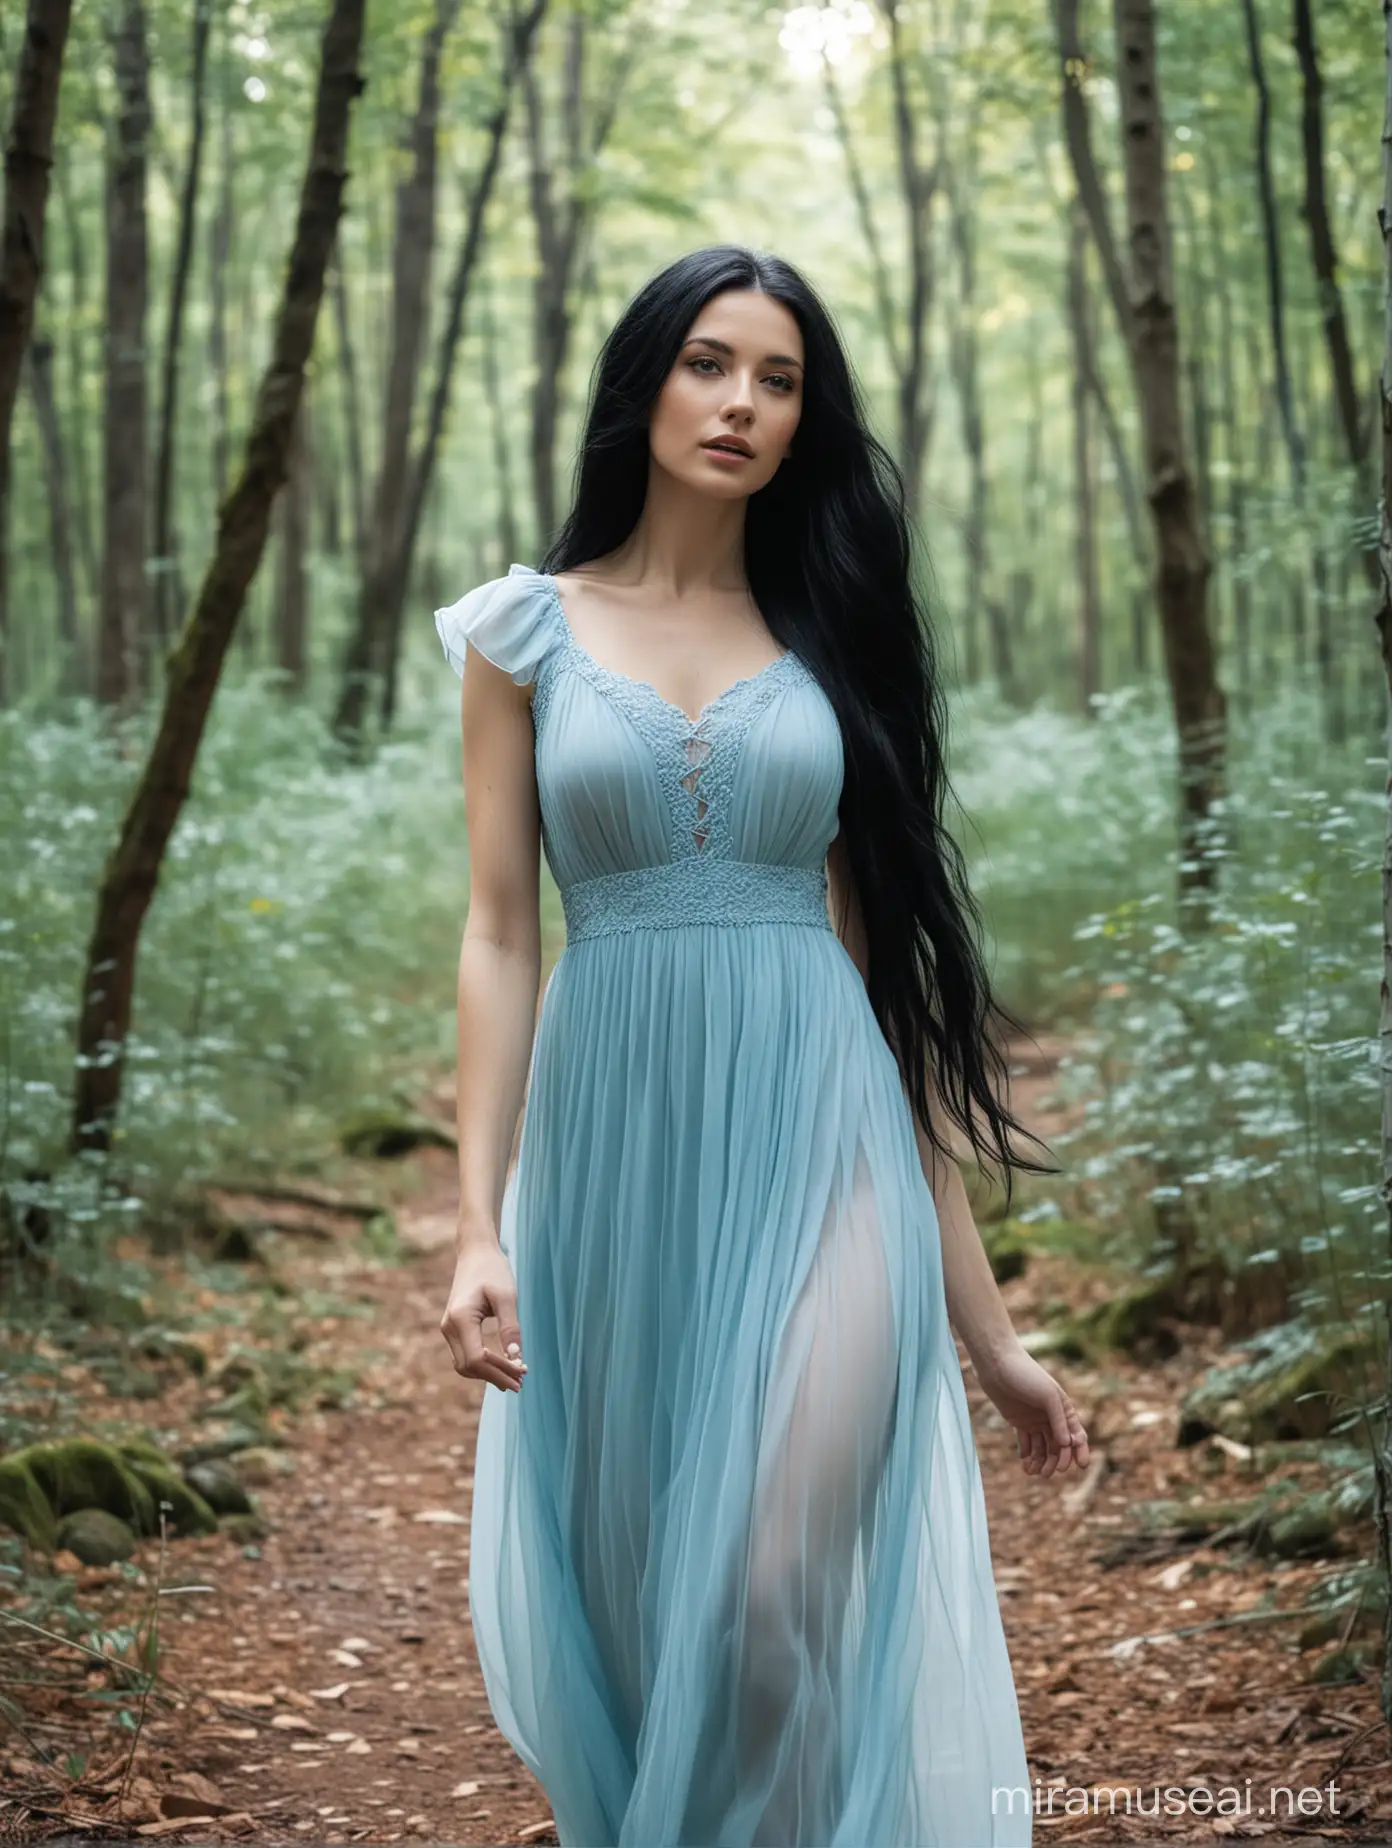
{"x": 975, "y": 1306}
{"x": 500, "y": 956}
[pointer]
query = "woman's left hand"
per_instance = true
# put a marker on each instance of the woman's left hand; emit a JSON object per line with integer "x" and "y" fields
{"x": 1046, "y": 1421}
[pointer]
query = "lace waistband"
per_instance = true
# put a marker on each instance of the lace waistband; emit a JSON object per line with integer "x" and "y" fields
{"x": 695, "y": 891}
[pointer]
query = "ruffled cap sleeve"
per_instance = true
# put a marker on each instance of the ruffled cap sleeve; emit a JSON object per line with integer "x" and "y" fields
{"x": 513, "y": 620}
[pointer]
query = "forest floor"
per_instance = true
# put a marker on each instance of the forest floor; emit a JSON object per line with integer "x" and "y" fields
{"x": 322, "y": 1686}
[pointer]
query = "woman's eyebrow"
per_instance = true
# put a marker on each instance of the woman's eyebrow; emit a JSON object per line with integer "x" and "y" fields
{"x": 723, "y": 346}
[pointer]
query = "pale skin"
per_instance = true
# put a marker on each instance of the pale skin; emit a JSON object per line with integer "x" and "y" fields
{"x": 672, "y": 607}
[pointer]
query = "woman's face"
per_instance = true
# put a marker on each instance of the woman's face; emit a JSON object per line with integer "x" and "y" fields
{"x": 724, "y": 419}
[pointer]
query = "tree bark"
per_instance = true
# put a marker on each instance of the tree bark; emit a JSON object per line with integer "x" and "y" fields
{"x": 122, "y": 641}
{"x": 169, "y": 596}
{"x": 73, "y": 672}
{"x": 28, "y": 160}
{"x": 1235, "y": 501}
{"x": 84, "y": 518}
{"x": 1085, "y": 528}
{"x": 352, "y": 407}
{"x": 219, "y": 255}
{"x": 133, "y": 870}
{"x": 292, "y": 589}
{"x": 502, "y": 447}
{"x": 561, "y": 215}
{"x": 521, "y": 32}
{"x": 1183, "y": 565}
{"x": 1382, "y": 1448}
{"x": 1352, "y": 420}
{"x": 918, "y": 183}
{"x": 413, "y": 253}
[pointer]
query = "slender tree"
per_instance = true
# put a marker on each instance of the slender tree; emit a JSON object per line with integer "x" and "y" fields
{"x": 132, "y": 872}
{"x": 168, "y": 591}
{"x": 122, "y": 642}
{"x": 413, "y": 254}
{"x": 1382, "y": 1447}
{"x": 1143, "y": 297}
{"x": 28, "y": 158}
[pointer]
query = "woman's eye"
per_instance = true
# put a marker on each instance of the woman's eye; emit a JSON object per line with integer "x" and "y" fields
{"x": 781, "y": 381}
{"x": 704, "y": 359}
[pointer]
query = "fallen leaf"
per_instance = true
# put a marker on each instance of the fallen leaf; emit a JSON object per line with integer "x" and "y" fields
{"x": 357, "y": 1642}
{"x": 340, "y": 1738}
{"x": 535, "y": 1828}
{"x": 236, "y": 1698}
{"x": 171, "y": 1824}
{"x": 359, "y": 1747}
{"x": 336, "y": 1692}
{"x": 442, "y": 1517}
{"x": 292, "y": 1722}
{"x": 469, "y": 1789}
{"x": 345, "y": 1658}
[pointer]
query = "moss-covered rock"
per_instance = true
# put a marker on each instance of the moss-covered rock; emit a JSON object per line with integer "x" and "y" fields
{"x": 96, "y": 1537}
{"x": 262, "y": 1465}
{"x": 220, "y": 1487}
{"x": 245, "y": 1529}
{"x": 24, "y": 1508}
{"x": 385, "y": 1135}
{"x": 1286, "y": 1386}
{"x": 83, "y": 1472}
{"x": 189, "y": 1512}
{"x": 228, "y": 1443}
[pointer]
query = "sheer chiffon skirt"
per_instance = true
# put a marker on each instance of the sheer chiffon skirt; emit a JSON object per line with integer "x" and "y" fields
{"x": 729, "y": 1573}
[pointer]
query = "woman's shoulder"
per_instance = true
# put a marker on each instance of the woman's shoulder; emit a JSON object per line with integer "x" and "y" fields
{"x": 514, "y": 620}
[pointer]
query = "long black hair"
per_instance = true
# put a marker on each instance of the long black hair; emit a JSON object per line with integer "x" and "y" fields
{"x": 828, "y": 557}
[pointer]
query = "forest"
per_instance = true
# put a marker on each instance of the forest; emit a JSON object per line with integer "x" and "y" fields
{"x": 298, "y": 313}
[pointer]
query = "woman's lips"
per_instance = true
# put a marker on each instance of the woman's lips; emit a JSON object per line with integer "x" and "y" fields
{"x": 729, "y": 456}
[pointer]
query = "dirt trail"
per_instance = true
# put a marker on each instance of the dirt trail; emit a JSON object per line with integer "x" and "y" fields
{"x": 333, "y": 1691}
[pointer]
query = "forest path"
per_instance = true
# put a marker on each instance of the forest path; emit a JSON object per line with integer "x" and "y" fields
{"x": 332, "y": 1690}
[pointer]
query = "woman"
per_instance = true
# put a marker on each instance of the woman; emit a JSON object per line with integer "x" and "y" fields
{"x": 730, "y": 1578}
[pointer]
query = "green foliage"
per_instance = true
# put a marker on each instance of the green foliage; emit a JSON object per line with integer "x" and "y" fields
{"x": 297, "y": 962}
{"x": 1230, "y": 1075}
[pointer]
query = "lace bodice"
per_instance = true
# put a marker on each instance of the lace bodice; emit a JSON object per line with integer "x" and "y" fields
{"x": 722, "y": 818}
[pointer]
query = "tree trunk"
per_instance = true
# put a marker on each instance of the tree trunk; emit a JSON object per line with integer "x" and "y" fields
{"x": 1275, "y": 288}
{"x": 133, "y": 870}
{"x": 561, "y": 215}
{"x": 73, "y": 674}
{"x": 169, "y": 594}
{"x": 122, "y": 641}
{"x": 502, "y": 447}
{"x": 1145, "y": 310}
{"x": 219, "y": 255}
{"x": 1183, "y": 566}
{"x": 1232, "y": 444}
{"x": 84, "y": 517}
{"x": 918, "y": 187}
{"x": 28, "y": 158}
{"x": 352, "y": 407}
{"x": 1085, "y": 543}
{"x": 520, "y": 33}
{"x": 1352, "y": 420}
{"x": 1382, "y": 1448}
{"x": 412, "y": 257}
{"x": 292, "y": 589}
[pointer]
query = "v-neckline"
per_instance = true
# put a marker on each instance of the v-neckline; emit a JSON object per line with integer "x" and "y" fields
{"x": 646, "y": 686}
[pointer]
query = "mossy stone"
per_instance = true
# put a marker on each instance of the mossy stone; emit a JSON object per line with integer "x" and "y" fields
{"x": 219, "y": 1486}
{"x": 97, "y": 1538}
{"x": 245, "y": 1529}
{"x": 83, "y": 1472}
{"x": 24, "y": 1508}
{"x": 189, "y": 1513}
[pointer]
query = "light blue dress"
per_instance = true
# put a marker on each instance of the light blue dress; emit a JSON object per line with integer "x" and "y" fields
{"x": 729, "y": 1578}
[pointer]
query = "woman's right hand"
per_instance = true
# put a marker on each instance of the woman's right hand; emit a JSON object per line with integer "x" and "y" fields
{"x": 484, "y": 1286}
